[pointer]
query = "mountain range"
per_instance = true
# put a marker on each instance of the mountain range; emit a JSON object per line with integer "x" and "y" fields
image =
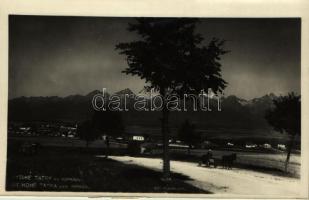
{"x": 236, "y": 112}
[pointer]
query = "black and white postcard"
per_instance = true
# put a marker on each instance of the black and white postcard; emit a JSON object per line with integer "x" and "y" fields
{"x": 193, "y": 104}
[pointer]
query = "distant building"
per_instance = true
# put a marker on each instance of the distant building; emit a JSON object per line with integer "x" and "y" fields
{"x": 119, "y": 138}
{"x": 24, "y": 128}
{"x": 251, "y": 146}
{"x": 266, "y": 146}
{"x": 281, "y": 147}
{"x": 230, "y": 144}
{"x": 138, "y": 138}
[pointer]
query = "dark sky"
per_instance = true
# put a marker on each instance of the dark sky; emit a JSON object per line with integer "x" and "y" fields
{"x": 76, "y": 55}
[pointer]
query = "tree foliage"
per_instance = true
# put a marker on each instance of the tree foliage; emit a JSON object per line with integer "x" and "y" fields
{"x": 187, "y": 133}
{"x": 108, "y": 122}
{"x": 285, "y": 116}
{"x": 172, "y": 56}
{"x": 102, "y": 122}
{"x": 86, "y": 131}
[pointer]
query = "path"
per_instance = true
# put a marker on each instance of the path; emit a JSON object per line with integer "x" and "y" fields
{"x": 221, "y": 181}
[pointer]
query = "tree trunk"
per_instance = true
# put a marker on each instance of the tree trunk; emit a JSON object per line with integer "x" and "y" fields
{"x": 106, "y": 152}
{"x": 189, "y": 149}
{"x": 289, "y": 149}
{"x": 107, "y": 149}
{"x": 165, "y": 135}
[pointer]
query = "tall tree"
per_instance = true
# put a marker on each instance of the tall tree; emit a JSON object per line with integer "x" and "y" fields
{"x": 188, "y": 134}
{"x": 102, "y": 122}
{"x": 86, "y": 131}
{"x": 109, "y": 123}
{"x": 173, "y": 59}
{"x": 285, "y": 118}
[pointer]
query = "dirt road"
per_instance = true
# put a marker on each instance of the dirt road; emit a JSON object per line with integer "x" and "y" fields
{"x": 226, "y": 182}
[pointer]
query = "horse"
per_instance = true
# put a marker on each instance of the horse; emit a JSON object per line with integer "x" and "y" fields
{"x": 208, "y": 160}
{"x": 228, "y": 160}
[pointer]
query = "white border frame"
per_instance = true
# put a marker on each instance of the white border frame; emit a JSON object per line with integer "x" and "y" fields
{"x": 163, "y": 8}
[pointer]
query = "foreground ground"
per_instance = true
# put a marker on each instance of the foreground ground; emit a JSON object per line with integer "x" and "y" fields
{"x": 271, "y": 162}
{"x": 64, "y": 164}
{"x": 74, "y": 169}
{"x": 222, "y": 181}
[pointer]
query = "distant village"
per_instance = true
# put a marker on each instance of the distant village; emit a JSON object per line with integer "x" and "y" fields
{"x": 69, "y": 130}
